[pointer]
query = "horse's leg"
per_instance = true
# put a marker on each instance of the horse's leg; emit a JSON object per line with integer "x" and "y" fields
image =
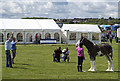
{"x": 92, "y": 64}
{"x": 111, "y": 69}
{"x": 109, "y": 63}
{"x": 94, "y": 68}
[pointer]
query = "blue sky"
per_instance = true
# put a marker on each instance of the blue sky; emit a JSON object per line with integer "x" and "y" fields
{"x": 15, "y": 9}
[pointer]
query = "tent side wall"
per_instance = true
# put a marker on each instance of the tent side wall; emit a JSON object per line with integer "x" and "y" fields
{"x": 63, "y": 36}
{"x": 75, "y": 31}
{"x": 29, "y": 36}
{"x": 25, "y": 30}
{"x": 78, "y": 36}
{"x": 118, "y": 32}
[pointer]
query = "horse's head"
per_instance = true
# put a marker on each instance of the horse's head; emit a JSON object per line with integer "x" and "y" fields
{"x": 80, "y": 41}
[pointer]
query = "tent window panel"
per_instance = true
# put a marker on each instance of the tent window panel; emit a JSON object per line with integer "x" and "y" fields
{"x": 19, "y": 37}
{"x": 72, "y": 36}
{"x": 84, "y": 35}
{"x": 28, "y": 37}
{"x": 56, "y": 36}
{"x": 1, "y": 37}
{"x": 95, "y": 36}
{"x": 47, "y": 36}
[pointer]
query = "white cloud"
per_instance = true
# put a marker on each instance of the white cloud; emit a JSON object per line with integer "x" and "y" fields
{"x": 48, "y": 5}
{"x": 69, "y": 9}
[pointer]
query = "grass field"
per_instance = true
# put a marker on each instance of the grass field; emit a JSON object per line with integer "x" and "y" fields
{"x": 35, "y": 62}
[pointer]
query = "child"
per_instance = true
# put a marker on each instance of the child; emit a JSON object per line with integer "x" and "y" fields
{"x": 80, "y": 57}
{"x": 65, "y": 54}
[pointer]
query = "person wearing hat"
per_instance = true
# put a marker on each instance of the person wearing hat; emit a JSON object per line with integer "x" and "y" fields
{"x": 56, "y": 54}
{"x": 65, "y": 54}
{"x": 80, "y": 57}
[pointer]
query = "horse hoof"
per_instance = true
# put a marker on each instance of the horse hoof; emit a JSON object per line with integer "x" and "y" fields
{"x": 111, "y": 70}
{"x": 89, "y": 69}
{"x": 108, "y": 70}
{"x": 93, "y": 70}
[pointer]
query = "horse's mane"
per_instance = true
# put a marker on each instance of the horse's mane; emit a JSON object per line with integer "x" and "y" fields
{"x": 88, "y": 44}
{"x": 86, "y": 41}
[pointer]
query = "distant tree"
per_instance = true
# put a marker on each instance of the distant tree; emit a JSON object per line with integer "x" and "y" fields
{"x": 34, "y": 18}
{"x": 110, "y": 18}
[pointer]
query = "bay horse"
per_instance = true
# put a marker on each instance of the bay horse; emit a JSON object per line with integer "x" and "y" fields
{"x": 97, "y": 50}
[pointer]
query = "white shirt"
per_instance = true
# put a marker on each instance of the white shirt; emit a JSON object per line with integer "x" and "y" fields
{"x": 8, "y": 44}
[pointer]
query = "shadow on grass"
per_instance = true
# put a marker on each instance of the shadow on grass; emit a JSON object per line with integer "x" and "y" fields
{"x": 71, "y": 62}
{"x": 105, "y": 72}
{"x": 64, "y": 62}
{"x": 20, "y": 68}
{"x": 21, "y": 64}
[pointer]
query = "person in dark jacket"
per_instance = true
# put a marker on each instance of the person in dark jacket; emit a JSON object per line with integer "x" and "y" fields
{"x": 56, "y": 54}
{"x": 107, "y": 35}
{"x": 110, "y": 38}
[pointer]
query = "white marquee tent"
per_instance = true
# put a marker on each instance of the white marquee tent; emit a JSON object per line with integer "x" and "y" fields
{"x": 25, "y": 29}
{"x": 118, "y": 32}
{"x": 73, "y": 32}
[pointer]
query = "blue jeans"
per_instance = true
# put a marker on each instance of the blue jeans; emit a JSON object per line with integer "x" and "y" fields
{"x": 36, "y": 41}
{"x": 8, "y": 58}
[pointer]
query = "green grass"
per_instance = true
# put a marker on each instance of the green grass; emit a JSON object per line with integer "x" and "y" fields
{"x": 35, "y": 62}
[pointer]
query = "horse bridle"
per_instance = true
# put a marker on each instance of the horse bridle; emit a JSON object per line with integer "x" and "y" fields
{"x": 82, "y": 40}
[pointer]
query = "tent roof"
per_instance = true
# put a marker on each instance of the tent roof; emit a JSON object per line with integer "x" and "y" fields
{"x": 28, "y": 24}
{"x": 106, "y": 25}
{"x": 81, "y": 28}
{"x": 48, "y": 24}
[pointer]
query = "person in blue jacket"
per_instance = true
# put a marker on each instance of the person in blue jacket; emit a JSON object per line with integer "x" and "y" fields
{"x": 13, "y": 49}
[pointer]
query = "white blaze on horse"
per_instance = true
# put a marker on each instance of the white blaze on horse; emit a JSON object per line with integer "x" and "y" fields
{"x": 97, "y": 50}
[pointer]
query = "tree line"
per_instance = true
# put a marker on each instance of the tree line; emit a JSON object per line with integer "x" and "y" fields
{"x": 98, "y": 21}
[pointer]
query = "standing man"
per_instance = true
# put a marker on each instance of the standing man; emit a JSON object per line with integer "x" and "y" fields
{"x": 107, "y": 35}
{"x": 110, "y": 38}
{"x": 36, "y": 41}
{"x": 7, "y": 51}
{"x": 56, "y": 55}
